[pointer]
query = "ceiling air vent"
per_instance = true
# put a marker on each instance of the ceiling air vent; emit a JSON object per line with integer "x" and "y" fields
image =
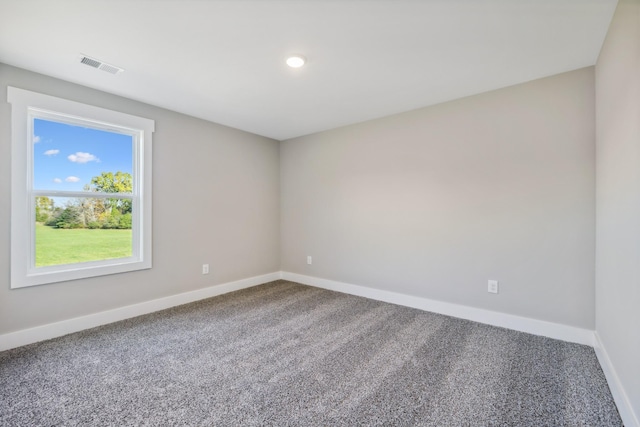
{"x": 92, "y": 62}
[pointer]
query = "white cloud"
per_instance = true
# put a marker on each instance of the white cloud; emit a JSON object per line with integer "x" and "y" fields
{"x": 57, "y": 180}
{"x": 36, "y": 139}
{"x": 51, "y": 152}
{"x": 81, "y": 157}
{"x": 72, "y": 179}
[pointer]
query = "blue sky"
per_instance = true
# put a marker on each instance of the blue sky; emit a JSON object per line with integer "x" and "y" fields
{"x": 66, "y": 157}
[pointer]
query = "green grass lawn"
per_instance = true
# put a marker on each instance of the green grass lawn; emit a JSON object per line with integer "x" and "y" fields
{"x": 56, "y": 246}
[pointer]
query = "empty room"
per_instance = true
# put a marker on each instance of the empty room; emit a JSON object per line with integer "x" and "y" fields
{"x": 357, "y": 212}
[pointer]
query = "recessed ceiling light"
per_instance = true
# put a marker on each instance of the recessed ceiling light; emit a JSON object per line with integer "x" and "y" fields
{"x": 296, "y": 61}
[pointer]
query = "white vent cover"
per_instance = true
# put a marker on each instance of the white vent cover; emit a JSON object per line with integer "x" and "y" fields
{"x": 92, "y": 62}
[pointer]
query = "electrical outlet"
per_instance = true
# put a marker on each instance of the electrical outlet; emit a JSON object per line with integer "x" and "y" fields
{"x": 309, "y": 260}
{"x": 493, "y": 286}
{"x": 205, "y": 268}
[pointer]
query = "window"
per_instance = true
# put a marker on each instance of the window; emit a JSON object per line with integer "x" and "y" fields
{"x": 81, "y": 190}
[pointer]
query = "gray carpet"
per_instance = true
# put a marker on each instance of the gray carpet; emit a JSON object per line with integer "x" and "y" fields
{"x": 286, "y": 354}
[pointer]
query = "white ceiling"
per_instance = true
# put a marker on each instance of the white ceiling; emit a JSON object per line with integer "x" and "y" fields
{"x": 223, "y": 61}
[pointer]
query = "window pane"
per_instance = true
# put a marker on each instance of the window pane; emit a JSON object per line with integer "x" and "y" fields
{"x": 76, "y": 158}
{"x": 72, "y": 230}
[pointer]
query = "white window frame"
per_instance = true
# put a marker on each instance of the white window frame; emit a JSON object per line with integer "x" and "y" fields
{"x": 27, "y": 105}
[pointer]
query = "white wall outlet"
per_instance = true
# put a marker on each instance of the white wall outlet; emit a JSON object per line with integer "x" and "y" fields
{"x": 309, "y": 260}
{"x": 493, "y": 286}
{"x": 205, "y": 268}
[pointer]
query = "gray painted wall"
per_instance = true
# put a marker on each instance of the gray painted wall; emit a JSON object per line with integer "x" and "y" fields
{"x": 435, "y": 202}
{"x": 618, "y": 197}
{"x": 215, "y": 200}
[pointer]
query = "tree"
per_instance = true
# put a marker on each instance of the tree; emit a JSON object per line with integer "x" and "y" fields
{"x": 125, "y": 221}
{"x": 120, "y": 182}
{"x": 44, "y": 208}
{"x": 53, "y": 218}
{"x": 90, "y": 212}
{"x": 70, "y": 217}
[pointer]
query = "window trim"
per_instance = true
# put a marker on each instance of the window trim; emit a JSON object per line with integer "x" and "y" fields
{"x": 25, "y": 106}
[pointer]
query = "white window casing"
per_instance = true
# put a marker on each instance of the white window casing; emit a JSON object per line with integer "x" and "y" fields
{"x": 27, "y": 105}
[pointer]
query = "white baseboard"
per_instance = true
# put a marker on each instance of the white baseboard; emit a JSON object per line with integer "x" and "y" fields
{"x": 518, "y": 323}
{"x": 625, "y": 409}
{"x": 523, "y": 324}
{"x": 509, "y": 321}
{"x": 64, "y": 327}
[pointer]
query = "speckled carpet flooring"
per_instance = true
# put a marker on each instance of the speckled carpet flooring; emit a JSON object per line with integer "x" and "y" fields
{"x": 284, "y": 354}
